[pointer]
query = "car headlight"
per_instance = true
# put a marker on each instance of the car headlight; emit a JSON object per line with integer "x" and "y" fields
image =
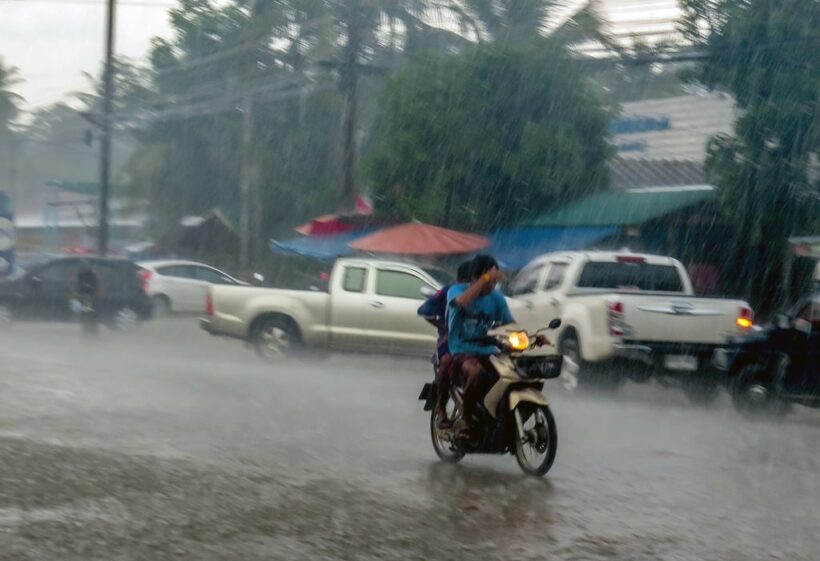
{"x": 518, "y": 341}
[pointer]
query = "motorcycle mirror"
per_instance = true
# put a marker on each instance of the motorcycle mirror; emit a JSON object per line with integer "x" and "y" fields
{"x": 555, "y": 324}
{"x": 427, "y": 291}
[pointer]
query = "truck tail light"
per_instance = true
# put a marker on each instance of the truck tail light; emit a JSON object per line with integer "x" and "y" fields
{"x": 615, "y": 314}
{"x": 145, "y": 276}
{"x": 209, "y": 303}
{"x": 745, "y": 318}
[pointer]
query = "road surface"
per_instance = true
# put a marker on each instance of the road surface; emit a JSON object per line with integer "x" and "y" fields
{"x": 170, "y": 444}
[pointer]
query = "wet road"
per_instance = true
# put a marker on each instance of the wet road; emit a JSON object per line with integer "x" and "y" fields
{"x": 174, "y": 445}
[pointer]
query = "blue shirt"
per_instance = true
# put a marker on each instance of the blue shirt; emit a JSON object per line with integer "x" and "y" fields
{"x": 436, "y": 308}
{"x": 474, "y": 321}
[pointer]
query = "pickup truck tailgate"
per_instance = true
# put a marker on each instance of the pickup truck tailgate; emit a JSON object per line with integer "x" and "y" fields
{"x": 681, "y": 319}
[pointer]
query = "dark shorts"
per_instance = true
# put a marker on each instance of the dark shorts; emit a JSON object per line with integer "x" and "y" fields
{"x": 458, "y": 361}
{"x": 442, "y": 348}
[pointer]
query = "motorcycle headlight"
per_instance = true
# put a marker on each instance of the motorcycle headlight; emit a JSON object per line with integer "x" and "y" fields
{"x": 518, "y": 341}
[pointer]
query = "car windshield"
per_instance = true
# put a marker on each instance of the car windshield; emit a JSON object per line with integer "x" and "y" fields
{"x": 442, "y": 277}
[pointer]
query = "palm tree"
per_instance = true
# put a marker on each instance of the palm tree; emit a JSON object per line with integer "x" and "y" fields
{"x": 522, "y": 21}
{"x": 9, "y": 101}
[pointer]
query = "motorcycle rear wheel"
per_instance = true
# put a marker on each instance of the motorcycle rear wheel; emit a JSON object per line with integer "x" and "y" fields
{"x": 445, "y": 449}
{"x": 536, "y": 455}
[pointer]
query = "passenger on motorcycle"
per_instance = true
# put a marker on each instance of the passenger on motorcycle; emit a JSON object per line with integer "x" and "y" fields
{"x": 434, "y": 310}
{"x": 473, "y": 310}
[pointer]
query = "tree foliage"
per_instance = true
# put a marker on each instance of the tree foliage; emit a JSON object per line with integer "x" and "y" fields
{"x": 764, "y": 53}
{"x": 9, "y": 101}
{"x": 489, "y": 137}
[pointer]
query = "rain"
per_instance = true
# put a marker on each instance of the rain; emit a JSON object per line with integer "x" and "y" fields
{"x": 370, "y": 279}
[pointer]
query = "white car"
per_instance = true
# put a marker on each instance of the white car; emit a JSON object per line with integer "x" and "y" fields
{"x": 181, "y": 286}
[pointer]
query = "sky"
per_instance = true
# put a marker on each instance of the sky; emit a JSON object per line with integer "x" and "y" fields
{"x": 53, "y": 42}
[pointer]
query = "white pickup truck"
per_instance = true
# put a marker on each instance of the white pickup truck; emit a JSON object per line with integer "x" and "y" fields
{"x": 629, "y": 316}
{"x": 370, "y": 305}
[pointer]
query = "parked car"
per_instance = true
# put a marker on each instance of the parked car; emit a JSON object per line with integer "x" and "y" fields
{"x": 43, "y": 292}
{"x": 180, "y": 286}
{"x": 629, "y": 316}
{"x": 370, "y": 305}
{"x": 778, "y": 366}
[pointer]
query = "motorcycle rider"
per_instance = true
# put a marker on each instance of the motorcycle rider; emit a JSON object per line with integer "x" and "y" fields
{"x": 434, "y": 310}
{"x": 86, "y": 286}
{"x": 472, "y": 311}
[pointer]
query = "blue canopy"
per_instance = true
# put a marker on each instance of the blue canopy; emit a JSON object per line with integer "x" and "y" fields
{"x": 515, "y": 247}
{"x": 321, "y": 247}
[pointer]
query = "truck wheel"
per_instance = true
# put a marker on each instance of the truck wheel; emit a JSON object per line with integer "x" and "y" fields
{"x": 276, "y": 337}
{"x": 753, "y": 395}
{"x": 590, "y": 376}
{"x": 702, "y": 388}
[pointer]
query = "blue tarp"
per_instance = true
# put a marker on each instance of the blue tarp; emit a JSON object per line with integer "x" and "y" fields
{"x": 515, "y": 247}
{"x": 321, "y": 247}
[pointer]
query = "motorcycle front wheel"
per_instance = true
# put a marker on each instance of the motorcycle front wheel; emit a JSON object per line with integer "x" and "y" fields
{"x": 444, "y": 439}
{"x": 536, "y": 452}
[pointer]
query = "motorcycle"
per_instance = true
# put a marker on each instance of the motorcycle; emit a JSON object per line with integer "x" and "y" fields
{"x": 514, "y": 416}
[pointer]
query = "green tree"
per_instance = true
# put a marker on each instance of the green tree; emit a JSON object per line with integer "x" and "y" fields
{"x": 763, "y": 52}
{"x": 489, "y": 137}
{"x": 9, "y": 101}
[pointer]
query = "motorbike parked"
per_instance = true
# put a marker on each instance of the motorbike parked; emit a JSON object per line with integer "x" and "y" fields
{"x": 514, "y": 417}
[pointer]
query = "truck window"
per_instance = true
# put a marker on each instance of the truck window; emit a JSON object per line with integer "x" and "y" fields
{"x": 526, "y": 282}
{"x": 631, "y": 276}
{"x": 354, "y": 279}
{"x": 399, "y": 285}
{"x": 556, "y": 276}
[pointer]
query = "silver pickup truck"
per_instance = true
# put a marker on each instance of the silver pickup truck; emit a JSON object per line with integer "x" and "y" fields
{"x": 370, "y": 306}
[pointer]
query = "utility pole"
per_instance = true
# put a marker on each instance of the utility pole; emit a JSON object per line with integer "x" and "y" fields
{"x": 350, "y": 80}
{"x": 245, "y": 180}
{"x": 105, "y": 139}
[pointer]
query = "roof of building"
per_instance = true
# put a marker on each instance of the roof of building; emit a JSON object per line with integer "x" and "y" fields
{"x": 626, "y": 208}
{"x": 630, "y": 173}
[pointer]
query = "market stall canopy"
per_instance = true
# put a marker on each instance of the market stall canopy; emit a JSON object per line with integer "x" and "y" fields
{"x": 339, "y": 223}
{"x": 626, "y": 208}
{"x": 415, "y": 238}
{"x": 320, "y": 247}
{"x": 515, "y": 247}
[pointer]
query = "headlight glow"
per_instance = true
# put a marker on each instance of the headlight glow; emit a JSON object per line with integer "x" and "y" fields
{"x": 519, "y": 341}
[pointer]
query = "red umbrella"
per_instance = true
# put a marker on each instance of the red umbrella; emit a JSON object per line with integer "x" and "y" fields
{"x": 416, "y": 238}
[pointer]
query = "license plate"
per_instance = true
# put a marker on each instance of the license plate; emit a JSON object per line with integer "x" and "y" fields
{"x": 680, "y": 362}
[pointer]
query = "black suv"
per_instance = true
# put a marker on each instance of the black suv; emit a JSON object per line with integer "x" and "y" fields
{"x": 778, "y": 366}
{"x": 44, "y": 292}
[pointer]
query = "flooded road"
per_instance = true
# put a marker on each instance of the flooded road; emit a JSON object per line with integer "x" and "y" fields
{"x": 170, "y": 444}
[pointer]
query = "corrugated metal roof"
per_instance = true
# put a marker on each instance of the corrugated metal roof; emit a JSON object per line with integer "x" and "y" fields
{"x": 625, "y": 208}
{"x": 629, "y": 173}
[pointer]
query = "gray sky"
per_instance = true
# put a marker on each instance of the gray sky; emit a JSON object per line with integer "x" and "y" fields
{"x": 53, "y": 42}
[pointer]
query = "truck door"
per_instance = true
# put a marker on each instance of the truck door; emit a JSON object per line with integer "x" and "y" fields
{"x": 348, "y": 306}
{"x": 537, "y": 289}
{"x": 391, "y": 314}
